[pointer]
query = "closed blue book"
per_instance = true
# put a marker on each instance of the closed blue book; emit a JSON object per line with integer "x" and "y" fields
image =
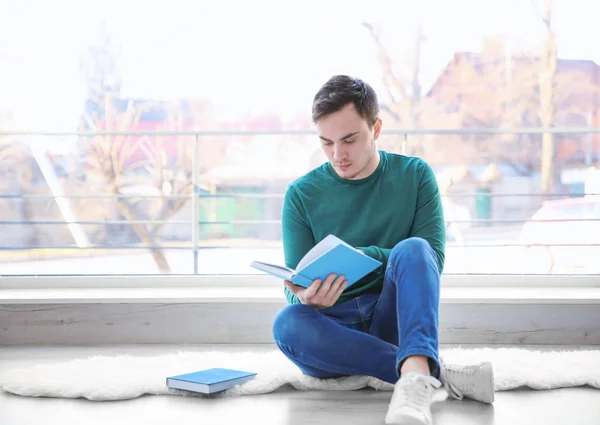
{"x": 331, "y": 255}
{"x": 209, "y": 381}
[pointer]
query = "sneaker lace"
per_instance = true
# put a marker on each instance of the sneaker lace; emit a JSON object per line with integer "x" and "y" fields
{"x": 420, "y": 395}
{"x": 461, "y": 375}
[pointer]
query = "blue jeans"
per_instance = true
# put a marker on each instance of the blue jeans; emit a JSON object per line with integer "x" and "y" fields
{"x": 374, "y": 333}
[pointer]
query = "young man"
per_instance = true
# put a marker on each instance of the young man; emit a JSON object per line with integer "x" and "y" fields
{"x": 388, "y": 206}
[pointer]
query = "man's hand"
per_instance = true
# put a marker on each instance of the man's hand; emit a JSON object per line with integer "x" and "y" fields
{"x": 320, "y": 294}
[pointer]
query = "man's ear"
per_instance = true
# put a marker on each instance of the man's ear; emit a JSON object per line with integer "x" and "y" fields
{"x": 377, "y": 128}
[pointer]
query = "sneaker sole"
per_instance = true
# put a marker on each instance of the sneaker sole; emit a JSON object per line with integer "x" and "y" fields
{"x": 487, "y": 372}
{"x": 406, "y": 419}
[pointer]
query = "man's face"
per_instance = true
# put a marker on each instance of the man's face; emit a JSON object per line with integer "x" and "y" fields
{"x": 349, "y": 143}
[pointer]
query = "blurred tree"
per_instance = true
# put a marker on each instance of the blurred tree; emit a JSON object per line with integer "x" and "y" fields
{"x": 531, "y": 93}
{"x": 100, "y": 68}
{"x": 404, "y": 95}
{"x": 406, "y": 106}
{"x": 15, "y": 161}
{"x": 408, "y": 109}
{"x": 541, "y": 91}
{"x": 548, "y": 65}
{"x": 498, "y": 88}
{"x": 131, "y": 164}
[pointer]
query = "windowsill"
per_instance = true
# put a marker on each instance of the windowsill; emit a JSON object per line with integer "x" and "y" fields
{"x": 478, "y": 289}
{"x": 264, "y": 281}
{"x": 273, "y": 294}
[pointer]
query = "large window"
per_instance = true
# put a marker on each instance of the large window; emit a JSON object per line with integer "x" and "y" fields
{"x": 162, "y": 141}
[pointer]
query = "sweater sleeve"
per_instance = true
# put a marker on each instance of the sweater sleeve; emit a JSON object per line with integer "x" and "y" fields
{"x": 428, "y": 222}
{"x": 378, "y": 253}
{"x": 297, "y": 235}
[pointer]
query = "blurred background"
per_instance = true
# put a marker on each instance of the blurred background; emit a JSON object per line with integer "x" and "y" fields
{"x": 207, "y": 105}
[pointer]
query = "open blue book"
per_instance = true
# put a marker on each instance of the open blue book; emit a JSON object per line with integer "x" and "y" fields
{"x": 331, "y": 255}
{"x": 209, "y": 381}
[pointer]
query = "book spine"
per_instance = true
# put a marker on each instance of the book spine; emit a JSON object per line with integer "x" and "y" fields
{"x": 302, "y": 280}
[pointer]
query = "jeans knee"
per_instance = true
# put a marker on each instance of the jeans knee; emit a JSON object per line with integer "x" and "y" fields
{"x": 415, "y": 247}
{"x": 289, "y": 325}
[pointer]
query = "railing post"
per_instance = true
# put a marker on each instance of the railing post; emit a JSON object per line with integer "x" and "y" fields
{"x": 195, "y": 217}
{"x": 405, "y": 144}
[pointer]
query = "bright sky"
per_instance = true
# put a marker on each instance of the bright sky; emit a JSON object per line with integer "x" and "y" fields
{"x": 251, "y": 56}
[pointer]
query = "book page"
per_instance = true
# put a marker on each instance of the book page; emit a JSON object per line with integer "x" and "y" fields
{"x": 273, "y": 266}
{"x": 319, "y": 249}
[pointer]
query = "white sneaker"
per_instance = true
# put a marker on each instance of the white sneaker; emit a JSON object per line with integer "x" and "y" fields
{"x": 472, "y": 381}
{"x": 411, "y": 400}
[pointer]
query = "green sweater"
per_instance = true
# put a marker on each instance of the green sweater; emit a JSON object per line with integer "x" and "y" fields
{"x": 398, "y": 201}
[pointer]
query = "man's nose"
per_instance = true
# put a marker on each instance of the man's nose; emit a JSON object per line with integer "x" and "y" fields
{"x": 339, "y": 153}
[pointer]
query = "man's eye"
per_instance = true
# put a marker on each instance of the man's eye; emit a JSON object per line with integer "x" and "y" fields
{"x": 350, "y": 141}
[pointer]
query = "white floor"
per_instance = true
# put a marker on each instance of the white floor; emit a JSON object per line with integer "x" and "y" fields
{"x": 579, "y": 406}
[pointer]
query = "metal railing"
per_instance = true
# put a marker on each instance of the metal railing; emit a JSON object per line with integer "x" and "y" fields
{"x": 402, "y": 132}
{"x": 196, "y": 195}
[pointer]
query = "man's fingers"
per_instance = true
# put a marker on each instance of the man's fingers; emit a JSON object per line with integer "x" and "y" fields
{"x": 294, "y": 289}
{"x": 320, "y": 290}
{"x": 316, "y": 294}
{"x": 325, "y": 287}
{"x": 312, "y": 290}
{"x": 320, "y": 293}
{"x": 341, "y": 289}
{"x": 337, "y": 287}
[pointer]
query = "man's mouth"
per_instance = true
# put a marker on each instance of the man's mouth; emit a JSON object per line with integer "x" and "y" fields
{"x": 344, "y": 166}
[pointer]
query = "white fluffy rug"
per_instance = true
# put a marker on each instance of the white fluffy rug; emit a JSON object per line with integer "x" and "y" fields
{"x": 126, "y": 377}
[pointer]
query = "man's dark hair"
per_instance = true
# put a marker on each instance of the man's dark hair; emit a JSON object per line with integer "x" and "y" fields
{"x": 341, "y": 90}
